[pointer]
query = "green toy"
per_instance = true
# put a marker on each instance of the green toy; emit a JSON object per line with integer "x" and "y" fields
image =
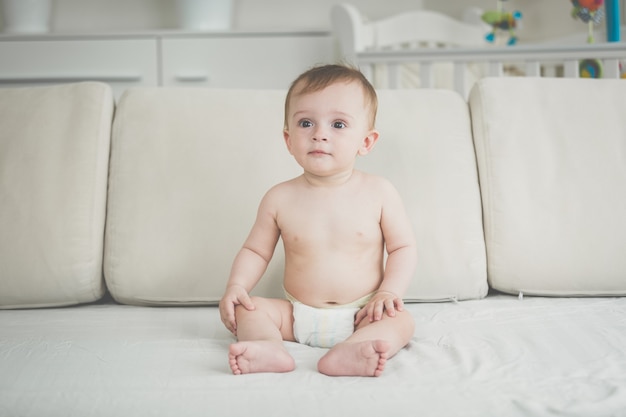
{"x": 500, "y": 19}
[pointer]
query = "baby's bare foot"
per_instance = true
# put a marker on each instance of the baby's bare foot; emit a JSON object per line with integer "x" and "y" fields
{"x": 259, "y": 356}
{"x": 355, "y": 359}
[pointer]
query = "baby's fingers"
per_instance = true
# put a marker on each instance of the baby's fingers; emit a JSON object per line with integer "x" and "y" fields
{"x": 228, "y": 318}
{"x": 246, "y": 302}
{"x": 231, "y": 326}
{"x": 375, "y": 310}
{"x": 390, "y": 306}
{"x": 360, "y": 315}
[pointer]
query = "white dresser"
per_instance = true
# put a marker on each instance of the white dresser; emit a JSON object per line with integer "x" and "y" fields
{"x": 215, "y": 59}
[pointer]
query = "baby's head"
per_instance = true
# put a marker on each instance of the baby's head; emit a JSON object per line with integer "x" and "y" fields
{"x": 318, "y": 78}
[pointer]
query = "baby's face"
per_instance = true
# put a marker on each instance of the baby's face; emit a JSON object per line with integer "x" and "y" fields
{"x": 327, "y": 129}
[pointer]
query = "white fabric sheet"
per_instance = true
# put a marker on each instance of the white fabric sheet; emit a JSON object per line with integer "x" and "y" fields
{"x": 500, "y": 356}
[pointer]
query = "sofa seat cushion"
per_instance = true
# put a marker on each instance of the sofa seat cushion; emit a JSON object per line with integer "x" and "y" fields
{"x": 54, "y": 152}
{"x": 552, "y": 163}
{"x": 190, "y": 166}
{"x": 492, "y": 357}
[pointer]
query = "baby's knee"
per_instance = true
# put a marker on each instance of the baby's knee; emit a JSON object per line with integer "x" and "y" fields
{"x": 407, "y": 321}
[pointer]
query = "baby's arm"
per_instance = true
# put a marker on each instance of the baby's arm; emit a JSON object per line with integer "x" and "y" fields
{"x": 401, "y": 260}
{"x": 250, "y": 263}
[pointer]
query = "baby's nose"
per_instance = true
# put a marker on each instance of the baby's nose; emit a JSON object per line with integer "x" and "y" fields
{"x": 320, "y": 134}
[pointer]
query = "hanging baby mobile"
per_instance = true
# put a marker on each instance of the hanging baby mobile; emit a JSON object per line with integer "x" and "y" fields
{"x": 500, "y": 19}
{"x": 590, "y": 12}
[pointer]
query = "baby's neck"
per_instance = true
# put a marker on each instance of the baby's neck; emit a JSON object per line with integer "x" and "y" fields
{"x": 328, "y": 181}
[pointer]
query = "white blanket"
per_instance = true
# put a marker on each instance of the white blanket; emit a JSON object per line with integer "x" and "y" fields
{"x": 494, "y": 357}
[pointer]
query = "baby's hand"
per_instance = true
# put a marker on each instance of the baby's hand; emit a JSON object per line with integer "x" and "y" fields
{"x": 381, "y": 301}
{"x": 235, "y": 295}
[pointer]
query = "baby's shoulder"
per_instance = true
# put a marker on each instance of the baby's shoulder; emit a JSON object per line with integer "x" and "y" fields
{"x": 282, "y": 189}
{"x": 375, "y": 182}
{"x": 286, "y": 186}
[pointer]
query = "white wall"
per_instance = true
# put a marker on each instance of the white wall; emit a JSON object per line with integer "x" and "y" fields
{"x": 112, "y": 15}
{"x": 307, "y": 14}
{"x": 542, "y": 18}
{"x": 131, "y": 15}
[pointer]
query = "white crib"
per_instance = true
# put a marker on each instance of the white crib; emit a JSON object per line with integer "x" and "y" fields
{"x": 426, "y": 40}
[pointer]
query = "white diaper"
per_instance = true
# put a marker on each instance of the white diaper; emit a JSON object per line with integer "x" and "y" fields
{"x": 322, "y": 327}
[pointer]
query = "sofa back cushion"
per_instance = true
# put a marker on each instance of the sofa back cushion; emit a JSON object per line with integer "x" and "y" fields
{"x": 190, "y": 166}
{"x": 552, "y": 163}
{"x": 188, "y": 170}
{"x": 54, "y": 152}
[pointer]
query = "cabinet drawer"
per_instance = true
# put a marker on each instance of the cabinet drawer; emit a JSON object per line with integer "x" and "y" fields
{"x": 242, "y": 61}
{"x": 121, "y": 63}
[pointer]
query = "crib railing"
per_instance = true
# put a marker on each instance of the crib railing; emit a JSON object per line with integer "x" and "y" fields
{"x": 531, "y": 60}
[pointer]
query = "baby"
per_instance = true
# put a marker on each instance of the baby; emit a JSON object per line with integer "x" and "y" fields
{"x": 335, "y": 223}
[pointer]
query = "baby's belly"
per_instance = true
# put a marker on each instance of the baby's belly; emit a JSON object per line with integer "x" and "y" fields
{"x": 322, "y": 276}
{"x": 324, "y": 290}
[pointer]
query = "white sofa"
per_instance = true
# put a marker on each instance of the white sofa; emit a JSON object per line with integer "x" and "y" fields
{"x": 119, "y": 223}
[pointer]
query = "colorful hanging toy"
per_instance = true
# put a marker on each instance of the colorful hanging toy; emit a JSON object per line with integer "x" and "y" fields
{"x": 590, "y": 12}
{"x": 503, "y": 20}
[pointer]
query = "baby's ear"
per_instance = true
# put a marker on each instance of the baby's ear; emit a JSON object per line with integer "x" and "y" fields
{"x": 287, "y": 141}
{"x": 368, "y": 142}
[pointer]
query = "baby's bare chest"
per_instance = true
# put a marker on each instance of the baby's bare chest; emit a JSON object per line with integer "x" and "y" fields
{"x": 338, "y": 222}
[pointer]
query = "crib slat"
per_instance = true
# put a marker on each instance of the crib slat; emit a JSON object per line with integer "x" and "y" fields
{"x": 550, "y": 69}
{"x": 533, "y": 69}
{"x": 611, "y": 68}
{"x": 426, "y": 75}
{"x": 394, "y": 75}
{"x": 460, "y": 69}
{"x": 496, "y": 69}
{"x": 570, "y": 69}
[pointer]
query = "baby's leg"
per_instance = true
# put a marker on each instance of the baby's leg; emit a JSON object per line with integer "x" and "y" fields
{"x": 260, "y": 335}
{"x": 367, "y": 350}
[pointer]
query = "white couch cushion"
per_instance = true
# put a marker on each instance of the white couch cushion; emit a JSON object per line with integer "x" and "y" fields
{"x": 54, "y": 151}
{"x": 188, "y": 170}
{"x": 552, "y": 163}
{"x": 189, "y": 167}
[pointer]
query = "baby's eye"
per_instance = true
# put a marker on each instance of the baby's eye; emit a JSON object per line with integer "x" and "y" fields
{"x": 305, "y": 123}
{"x": 339, "y": 125}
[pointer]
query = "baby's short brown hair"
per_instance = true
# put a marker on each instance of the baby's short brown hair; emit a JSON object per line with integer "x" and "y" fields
{"x": 318, "y": 78}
